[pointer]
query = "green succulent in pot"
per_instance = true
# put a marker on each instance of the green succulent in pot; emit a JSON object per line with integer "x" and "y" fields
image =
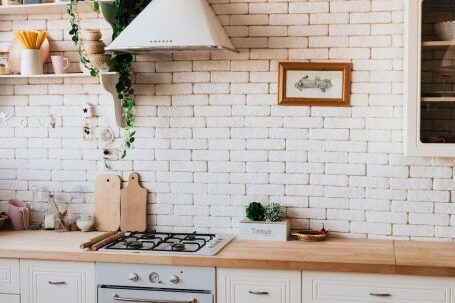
{"x": 273, "y": 212}
{"x": 255, "y": 211}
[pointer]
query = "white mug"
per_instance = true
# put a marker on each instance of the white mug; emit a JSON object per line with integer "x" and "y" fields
{"x": 30, "y": 62}
{"x": 60, "y": 64}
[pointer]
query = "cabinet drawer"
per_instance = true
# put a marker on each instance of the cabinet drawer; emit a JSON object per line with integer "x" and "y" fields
{"x": 10, "y": 298}
{"x": 9, "y": 276}
{"x": 258, "y": 286}
{"x": 56, "y": 282}
{"x": 334, "y": 287}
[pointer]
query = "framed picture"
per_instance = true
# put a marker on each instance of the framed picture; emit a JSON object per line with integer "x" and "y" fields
{"x": 318, "y": 84}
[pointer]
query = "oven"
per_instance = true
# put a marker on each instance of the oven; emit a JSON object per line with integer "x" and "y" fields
{"x": 142, "y": 283}
{"x": 136, "y": 295}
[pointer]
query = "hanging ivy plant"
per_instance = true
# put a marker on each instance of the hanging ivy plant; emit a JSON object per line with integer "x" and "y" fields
{"x": 125, "y": 12}
{"x": 74, "y": 32}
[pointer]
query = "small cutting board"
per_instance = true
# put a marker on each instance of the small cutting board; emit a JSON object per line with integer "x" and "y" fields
{"x": 107, "y": 202}
{"x": 133, "y": 206}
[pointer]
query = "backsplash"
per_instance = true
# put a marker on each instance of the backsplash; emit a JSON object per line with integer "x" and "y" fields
{"x": 211, "y": 138}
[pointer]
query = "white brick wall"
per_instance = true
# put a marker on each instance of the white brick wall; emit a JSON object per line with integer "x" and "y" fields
{"x": 210, "y": 137}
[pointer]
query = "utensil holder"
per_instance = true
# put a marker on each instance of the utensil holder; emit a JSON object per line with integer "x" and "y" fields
{"x": 30, "y": 62}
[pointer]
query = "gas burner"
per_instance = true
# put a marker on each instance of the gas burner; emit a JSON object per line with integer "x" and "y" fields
{"x": 177, "y": 243}
{"x": 178, "y": 246}
{"x": 133, "y": 244}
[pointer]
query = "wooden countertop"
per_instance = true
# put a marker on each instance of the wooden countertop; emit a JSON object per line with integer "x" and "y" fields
{"x": 336, "y": 255}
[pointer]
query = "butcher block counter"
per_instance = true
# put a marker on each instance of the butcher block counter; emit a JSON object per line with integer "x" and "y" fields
{"x": 335, "y": 255}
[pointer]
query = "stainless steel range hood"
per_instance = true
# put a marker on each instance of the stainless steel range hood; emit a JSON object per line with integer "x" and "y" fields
{"x": 173, "y": 25}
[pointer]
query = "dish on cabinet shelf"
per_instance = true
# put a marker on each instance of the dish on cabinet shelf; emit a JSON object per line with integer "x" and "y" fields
{"x": 15, "y": 50}
{"x": 445, "y": 30}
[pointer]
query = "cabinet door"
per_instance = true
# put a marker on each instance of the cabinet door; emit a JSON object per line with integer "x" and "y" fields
{"x": 429, "y": 78}
{"x": 320, "y": 287}
{"x": 258, "y": 286}
{"x": 9, "y": 276}
{"x": 57, "y": 282}
{"x": 10, "y": 298}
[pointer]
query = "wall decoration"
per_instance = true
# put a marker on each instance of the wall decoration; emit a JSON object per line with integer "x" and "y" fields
{"x": 314, "y": 84}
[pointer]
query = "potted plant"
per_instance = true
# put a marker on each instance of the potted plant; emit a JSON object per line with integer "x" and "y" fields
{"x": 264, "y": 223}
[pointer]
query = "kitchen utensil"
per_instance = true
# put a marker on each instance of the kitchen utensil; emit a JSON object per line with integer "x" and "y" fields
{"x": 96, "y": 61}
{"x": 97, "y": 239}
{"x": 4, "y": 65}
{"x": 60, "y": 64}
{"x": 15, "y": 52}
{"x": 30, "y": 62}
{"x": 133, "y": 205}
{"x": 85, "y": 223}
{"x": 445, "y": 30}
{"x": 107, "y": 203}
{"x": 91, "y": 34}
{"x": 93, "y": 47}
{"x": 107, "y": 240}
{"x": 311, "y": 235}
{"x": 18, "y": 214}
{"x": 61, "y": 223}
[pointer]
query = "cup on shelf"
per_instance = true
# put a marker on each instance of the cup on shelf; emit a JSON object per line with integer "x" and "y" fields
{"x": 60, "y": 64}
{"x": 30, "y": 62}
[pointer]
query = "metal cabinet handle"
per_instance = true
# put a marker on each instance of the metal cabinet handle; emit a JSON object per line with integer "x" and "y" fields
{"x": 116, "y": 297}
{"x": 260, "y": 293}
{"x": 376, "y": 294}
{"x": 56, "y": 282}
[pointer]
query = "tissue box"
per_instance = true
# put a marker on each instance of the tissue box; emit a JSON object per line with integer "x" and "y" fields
{"x": 264, "y": 230}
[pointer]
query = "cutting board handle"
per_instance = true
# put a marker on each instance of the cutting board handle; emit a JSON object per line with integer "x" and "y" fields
{"x": 133, "y": 179}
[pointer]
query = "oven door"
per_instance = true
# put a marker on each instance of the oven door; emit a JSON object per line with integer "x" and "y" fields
{"x": 135, "y": 295}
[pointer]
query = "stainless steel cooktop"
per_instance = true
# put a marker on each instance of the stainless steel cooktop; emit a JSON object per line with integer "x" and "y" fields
{"x": 170, "y": 243}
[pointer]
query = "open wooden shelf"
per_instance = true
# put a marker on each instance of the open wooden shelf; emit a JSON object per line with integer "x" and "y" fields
{"x": 70, "y": 75}
{"x": 438, "y": 44}
{"x": 44, "y": 8}
{"x": 438, "y": 99}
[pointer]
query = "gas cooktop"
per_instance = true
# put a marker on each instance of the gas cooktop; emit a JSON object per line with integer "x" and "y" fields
{"x": 170, "y": 243}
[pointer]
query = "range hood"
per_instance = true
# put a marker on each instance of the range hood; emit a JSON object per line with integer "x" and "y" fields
{"x": 173, "y": 25}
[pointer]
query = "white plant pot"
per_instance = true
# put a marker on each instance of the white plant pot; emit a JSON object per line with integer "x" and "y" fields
{"x": 264, "y": 230}
{"x": 30, "y": 62}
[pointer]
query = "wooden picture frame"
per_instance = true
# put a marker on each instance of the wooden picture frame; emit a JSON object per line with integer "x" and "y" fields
{"x": 300, "y": 83}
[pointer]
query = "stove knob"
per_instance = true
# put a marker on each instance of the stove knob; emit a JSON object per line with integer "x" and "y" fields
{"x": 133, "y": 277}
{"x": 174, "y": 279}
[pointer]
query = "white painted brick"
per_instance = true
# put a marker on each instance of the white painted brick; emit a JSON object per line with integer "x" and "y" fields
{"x": 413, "y": 230}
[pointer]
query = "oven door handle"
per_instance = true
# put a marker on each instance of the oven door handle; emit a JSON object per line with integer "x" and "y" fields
{"x": 116, "y": 297}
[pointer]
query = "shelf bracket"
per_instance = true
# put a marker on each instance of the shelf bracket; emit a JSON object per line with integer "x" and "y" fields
{"x": 108, "y": 82}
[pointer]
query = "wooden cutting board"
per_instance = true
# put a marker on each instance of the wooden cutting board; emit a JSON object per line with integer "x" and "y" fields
{"x": 107, "y": 202}
{"x": 133, "y": 205}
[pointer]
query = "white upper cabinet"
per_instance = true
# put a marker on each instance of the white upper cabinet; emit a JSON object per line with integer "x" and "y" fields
{"x": 430, "y": 78}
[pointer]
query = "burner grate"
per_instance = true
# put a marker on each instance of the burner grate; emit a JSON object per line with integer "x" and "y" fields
{"x": 162, "y": 242}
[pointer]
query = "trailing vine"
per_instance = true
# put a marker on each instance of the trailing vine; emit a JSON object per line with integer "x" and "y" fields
{"x": 125, "y": 12}
{"x": 74, "y": 32}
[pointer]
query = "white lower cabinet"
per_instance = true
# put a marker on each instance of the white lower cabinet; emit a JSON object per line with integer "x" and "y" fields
{"x": 57, "y": 282}
{"x": 324, "y": 287}
{"x": 4, "y": 298}
{"x": 258, "y": 286}
{"x": 9, "y": 281}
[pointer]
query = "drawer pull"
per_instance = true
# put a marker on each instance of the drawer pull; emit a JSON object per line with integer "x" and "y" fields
{"x": 56, "y": 282}
{"x": 259, "y": 293}
{"x": 116, "y": 297}
{"x": 378, "y": 294}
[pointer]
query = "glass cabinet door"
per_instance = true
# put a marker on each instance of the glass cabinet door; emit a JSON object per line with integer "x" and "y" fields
{"x": 437, "y": 78}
